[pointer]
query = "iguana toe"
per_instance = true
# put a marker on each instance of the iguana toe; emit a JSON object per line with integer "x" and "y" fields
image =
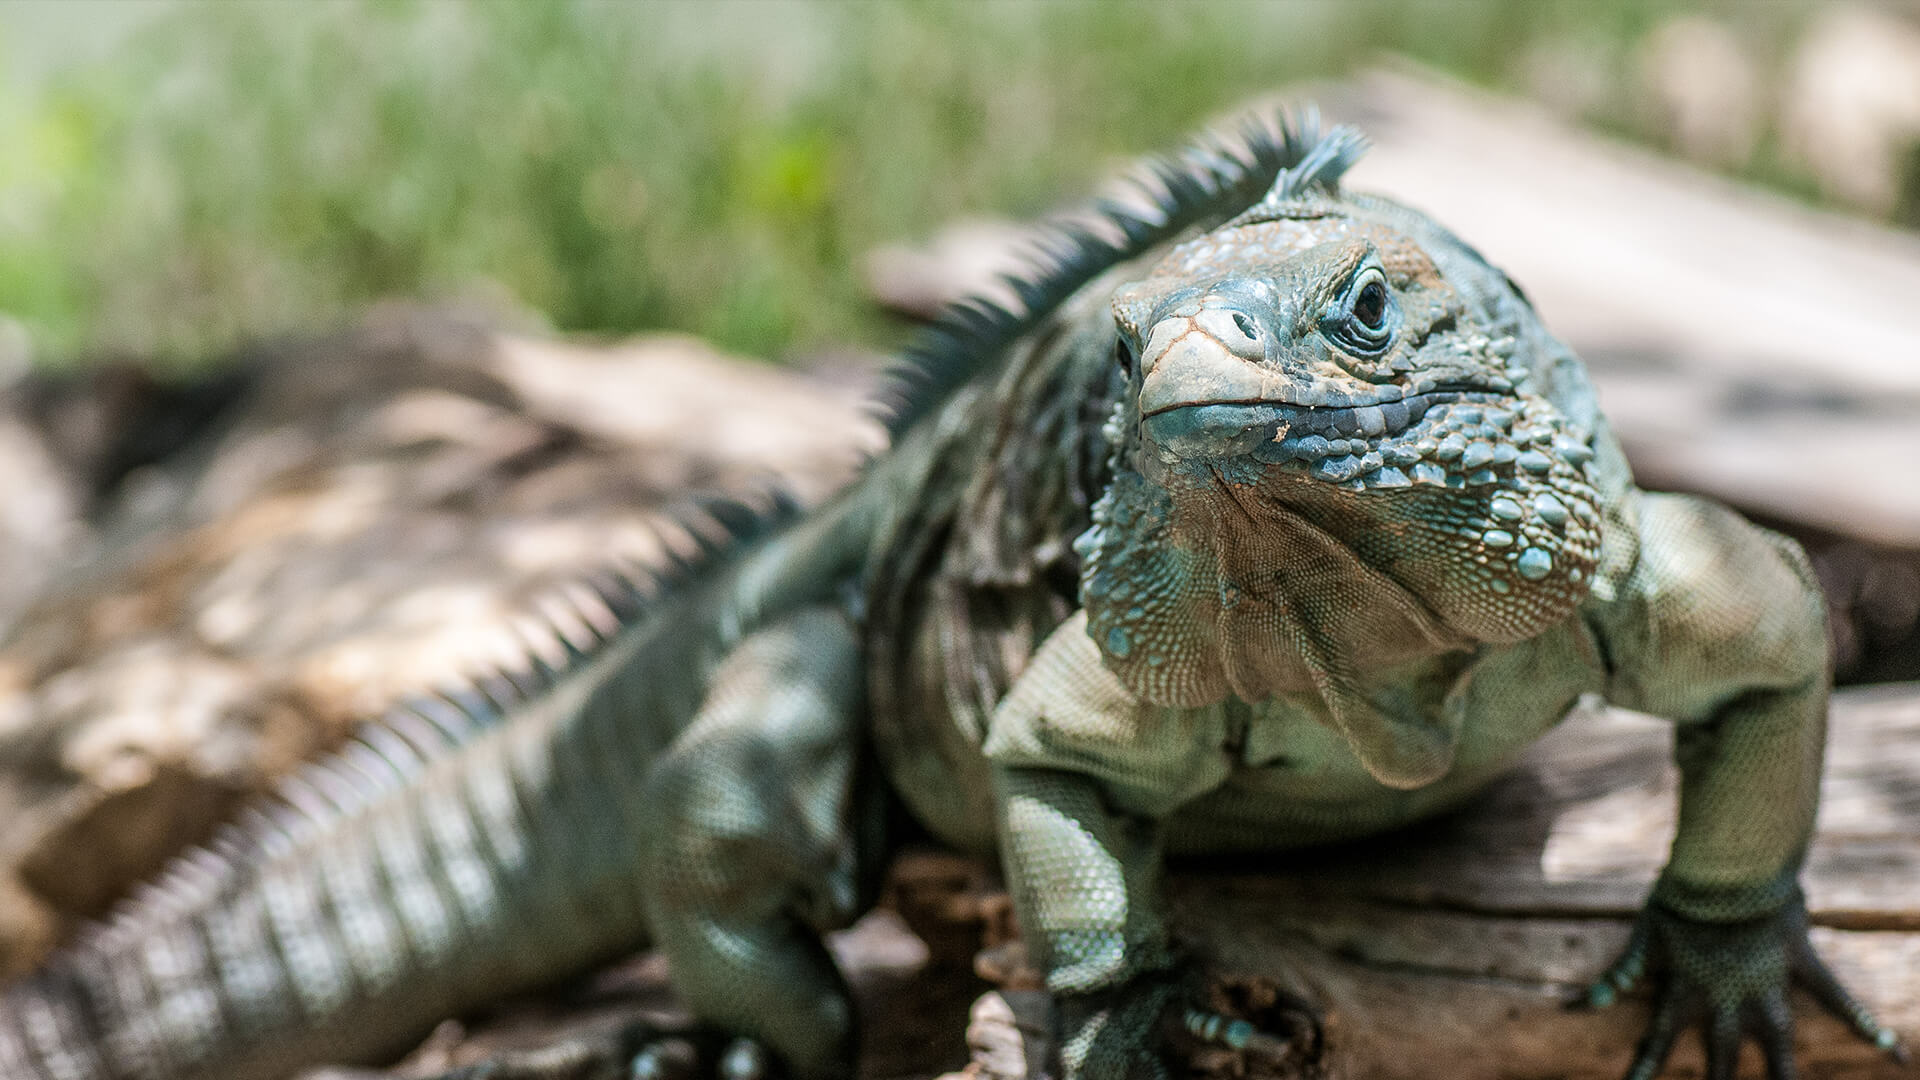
{"x": 1671, "y": 1013}
{"x": 1812, "y": 972}
{"x": 1230, "y": 1033}
{"x": 1623, "y": 976}
{"x": 665, "y": 1059}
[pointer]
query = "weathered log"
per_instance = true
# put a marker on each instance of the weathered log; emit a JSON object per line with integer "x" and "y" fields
{"x": 1446, "y": 950}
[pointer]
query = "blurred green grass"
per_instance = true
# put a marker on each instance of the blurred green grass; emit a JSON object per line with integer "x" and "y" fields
{"x": 225, "y": 170}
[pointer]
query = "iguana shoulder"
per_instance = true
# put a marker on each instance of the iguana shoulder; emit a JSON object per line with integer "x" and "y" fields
{"x": 1702, "y": 604}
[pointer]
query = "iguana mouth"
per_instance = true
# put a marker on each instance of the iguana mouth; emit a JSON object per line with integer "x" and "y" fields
{"x": 1450, "y": 438}
{"x": 1368, "y": 420}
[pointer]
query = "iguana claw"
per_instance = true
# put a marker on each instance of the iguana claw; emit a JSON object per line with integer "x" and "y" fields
{"x": 1124, "y": 1035}
{"x": 1225, "y": 1031}
{"x": 1732, "y": 978}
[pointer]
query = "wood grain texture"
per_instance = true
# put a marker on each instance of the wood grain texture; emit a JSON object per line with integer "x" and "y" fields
{"x": 1459, "y": 941}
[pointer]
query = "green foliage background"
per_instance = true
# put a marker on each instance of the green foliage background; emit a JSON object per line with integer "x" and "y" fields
{"x": 224, "y": 170}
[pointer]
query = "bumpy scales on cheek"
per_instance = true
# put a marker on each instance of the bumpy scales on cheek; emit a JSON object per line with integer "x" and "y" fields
{"x": 1498, "y": 527}
{"x": 1497, "y": 531}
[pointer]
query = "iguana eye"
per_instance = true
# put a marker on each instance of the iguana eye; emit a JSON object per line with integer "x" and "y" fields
{"x": 1370, "y": 307}
{"x": 1362, "y": 320}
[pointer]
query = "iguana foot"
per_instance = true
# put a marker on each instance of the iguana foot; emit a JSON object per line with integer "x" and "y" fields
{"x": 634, "y": 1051}
{"x": 1117, "y": 1034}
{"x": 1732, "y": 979}
{"x": 1142, "y": 1031}
{"x": 1247, "y": 1028}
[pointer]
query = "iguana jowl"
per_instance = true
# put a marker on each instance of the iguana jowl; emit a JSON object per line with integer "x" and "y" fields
{"x": 1303, "y": 533}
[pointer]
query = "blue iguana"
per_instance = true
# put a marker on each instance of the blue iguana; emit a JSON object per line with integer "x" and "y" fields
{"x": 1271, "y": 516}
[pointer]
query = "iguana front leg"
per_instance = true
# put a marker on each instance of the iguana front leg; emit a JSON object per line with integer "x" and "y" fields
{"x": 1085, "y": 774}
{"x": 1720, "y": 629}
{"x": 1085, "y": 883}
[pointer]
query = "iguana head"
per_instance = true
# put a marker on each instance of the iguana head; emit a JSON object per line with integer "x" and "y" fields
{"x": 1333, "y": 458}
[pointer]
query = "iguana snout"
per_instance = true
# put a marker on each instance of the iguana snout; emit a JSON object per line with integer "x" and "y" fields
{"x": 1317, "y": 349}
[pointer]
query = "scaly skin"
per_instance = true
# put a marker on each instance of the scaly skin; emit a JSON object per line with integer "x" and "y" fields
{"x": 1339, "y": 533}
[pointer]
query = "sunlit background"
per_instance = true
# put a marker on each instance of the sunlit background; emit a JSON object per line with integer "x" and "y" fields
{"x": 177, "y": 177}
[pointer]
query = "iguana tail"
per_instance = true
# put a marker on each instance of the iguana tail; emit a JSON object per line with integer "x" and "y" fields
{"x": 462, "y": 847}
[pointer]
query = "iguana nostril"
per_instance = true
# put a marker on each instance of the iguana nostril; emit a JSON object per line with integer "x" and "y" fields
{"x": 1237, "y": 330}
